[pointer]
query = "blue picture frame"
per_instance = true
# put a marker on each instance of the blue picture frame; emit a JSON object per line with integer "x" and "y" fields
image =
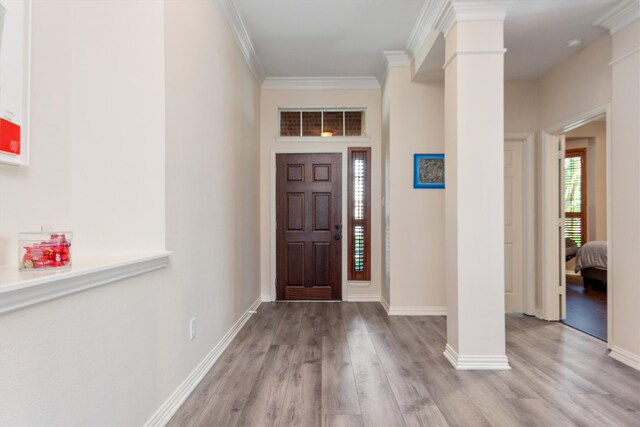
{"x": 428, "y": 171}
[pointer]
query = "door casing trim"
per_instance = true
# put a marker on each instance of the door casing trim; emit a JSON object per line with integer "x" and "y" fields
{"x": 550, "y": 261}
{"x": 272, "y": 209}
{"x": 529, "y": 249}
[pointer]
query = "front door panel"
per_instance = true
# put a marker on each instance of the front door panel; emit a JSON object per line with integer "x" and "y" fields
{"x": 309, "y": 226}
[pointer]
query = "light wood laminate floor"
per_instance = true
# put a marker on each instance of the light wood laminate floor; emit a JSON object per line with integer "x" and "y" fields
{"x": 349, "y": 364}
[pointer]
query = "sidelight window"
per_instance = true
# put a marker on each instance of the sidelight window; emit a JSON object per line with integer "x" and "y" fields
{"x": 359, "y": 214}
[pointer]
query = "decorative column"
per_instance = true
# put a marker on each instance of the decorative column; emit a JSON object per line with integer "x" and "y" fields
{"x": 474, "y": 200}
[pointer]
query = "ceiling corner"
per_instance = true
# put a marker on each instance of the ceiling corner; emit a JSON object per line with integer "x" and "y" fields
{"x": 242, "y": 37}
{"x": 620, "y": 16}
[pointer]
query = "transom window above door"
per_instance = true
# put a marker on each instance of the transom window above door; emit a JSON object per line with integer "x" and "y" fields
{"x": 322, "y": 122}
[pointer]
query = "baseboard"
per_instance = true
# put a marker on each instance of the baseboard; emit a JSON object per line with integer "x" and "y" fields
{"x": 417, "y": 311}
{"x": 266, "y": 298}
{"x": 384, "y": 303}
{"x": 412, "y": 311}
{"x": 363, "y": 298}
{"x": 173, "y": 403}
{"x": 476, "y": 363}
{"x": 625, "y": 356}
{"x": 359, "y": 284}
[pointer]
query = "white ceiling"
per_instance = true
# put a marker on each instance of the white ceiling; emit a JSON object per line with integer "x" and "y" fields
{"x": 326, "y": 38}
{"x": 537, "y": 33}
{"x": 340, "y": 38}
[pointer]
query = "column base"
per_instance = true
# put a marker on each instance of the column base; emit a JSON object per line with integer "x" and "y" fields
{"x": 476, "y": 363}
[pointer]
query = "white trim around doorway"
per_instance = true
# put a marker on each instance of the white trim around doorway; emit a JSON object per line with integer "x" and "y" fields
{"x": 550, "y": 199}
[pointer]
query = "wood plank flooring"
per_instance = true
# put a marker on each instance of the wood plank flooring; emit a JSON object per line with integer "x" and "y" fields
{"x": 586, "y": 307}
{"x": 349, "y": 364}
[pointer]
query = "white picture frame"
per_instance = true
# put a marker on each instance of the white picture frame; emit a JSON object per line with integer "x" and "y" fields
{"x": 15, "y": 56}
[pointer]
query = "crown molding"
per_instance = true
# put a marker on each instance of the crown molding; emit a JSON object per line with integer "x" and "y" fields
{"x": 471, "y": 10}
{"x": 620, "y": 16}
{"x": 441, "y": 15}
{"x": 446, "y": 19}
{"x": 426, "y": 22}
{"x": 242, "y": 37}
{"x": 320, "y": 83}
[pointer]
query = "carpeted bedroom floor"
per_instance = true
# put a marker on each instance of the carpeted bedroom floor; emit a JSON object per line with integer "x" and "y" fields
{"x": 586, "y": 308}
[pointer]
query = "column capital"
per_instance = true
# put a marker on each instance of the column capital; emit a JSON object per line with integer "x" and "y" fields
{"x": 397, "y": 58}
{"x": 393, "y": 58}
{"x": 620, "y": 16}
{"x": 471, "y": 10}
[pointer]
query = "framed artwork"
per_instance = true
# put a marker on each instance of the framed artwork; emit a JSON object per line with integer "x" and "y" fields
{"x": 428, "y": 171}
{"x": 15, "y": 38}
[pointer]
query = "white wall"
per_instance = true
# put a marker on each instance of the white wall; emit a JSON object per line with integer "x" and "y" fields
{"x": 521, "y": 106}
{"x": 416, "y": 125}
{"x": 271, "y": 100}
{"x": 577, "y": 85}
{"x": 41, "y": 193}
{"x": 213, "y": 125}
{"x": 117, "y": 128}
{"x": 97, "y": 137}
{"x": 624, "y": 250}
{"x": 114, "y": 354}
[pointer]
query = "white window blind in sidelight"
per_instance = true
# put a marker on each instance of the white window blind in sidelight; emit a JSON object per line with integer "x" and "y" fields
{"x": 575, "y": 195}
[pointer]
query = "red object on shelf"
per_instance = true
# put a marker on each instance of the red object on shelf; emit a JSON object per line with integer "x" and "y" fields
{"x": 9, "y": 137}
{"x": 47, "y": 254}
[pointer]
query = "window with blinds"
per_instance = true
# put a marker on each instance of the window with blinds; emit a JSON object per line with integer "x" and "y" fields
{"x": 359, "y": 213}
{"x": 575, "y": 195}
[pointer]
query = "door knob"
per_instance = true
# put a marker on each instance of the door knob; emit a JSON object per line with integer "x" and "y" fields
{"x": 337, "y": 237}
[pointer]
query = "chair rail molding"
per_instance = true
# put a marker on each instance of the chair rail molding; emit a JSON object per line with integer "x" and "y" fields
{"x": 23, "y": 289}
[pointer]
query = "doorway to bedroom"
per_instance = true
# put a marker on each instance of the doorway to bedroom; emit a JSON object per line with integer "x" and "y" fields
{"x": 583, "y": 190}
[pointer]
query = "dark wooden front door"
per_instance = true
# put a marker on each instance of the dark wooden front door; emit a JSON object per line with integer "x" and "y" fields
{"x": 309, "y": 226}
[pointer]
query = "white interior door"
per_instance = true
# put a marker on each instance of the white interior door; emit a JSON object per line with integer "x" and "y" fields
{"x": 514, "y": 225}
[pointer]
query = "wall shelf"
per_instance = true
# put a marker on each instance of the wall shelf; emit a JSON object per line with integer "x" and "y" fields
{"x": 20, "y": 289}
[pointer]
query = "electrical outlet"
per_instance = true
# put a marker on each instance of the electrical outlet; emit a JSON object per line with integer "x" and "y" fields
{"x": 192, "y": 329}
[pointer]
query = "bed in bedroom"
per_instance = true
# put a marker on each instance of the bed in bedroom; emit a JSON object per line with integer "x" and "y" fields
{"x": 591, "y": 263}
